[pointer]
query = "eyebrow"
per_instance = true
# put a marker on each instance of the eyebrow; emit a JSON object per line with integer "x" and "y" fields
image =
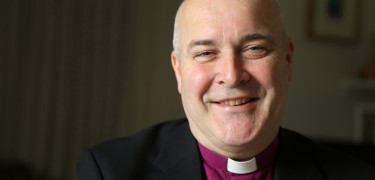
{"x": 205, "y": 42}
{"x": 257, "y": 36}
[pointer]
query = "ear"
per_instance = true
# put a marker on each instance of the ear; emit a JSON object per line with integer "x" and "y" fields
{"x": 176, "y": 67}
{"x": 289, "y": 58}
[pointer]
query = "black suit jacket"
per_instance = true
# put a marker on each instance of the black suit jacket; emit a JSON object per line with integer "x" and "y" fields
{"x": 169, "y": 151}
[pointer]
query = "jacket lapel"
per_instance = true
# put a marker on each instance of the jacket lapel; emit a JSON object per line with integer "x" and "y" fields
{"x": 294, "y": 159}
{"x": 180, "y": 157}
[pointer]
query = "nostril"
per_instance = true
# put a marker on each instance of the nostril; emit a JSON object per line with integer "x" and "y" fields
{"x": 245, "y": 76}
{"x": 232, "y": 78}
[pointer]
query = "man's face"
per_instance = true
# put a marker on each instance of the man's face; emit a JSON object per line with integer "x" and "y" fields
{"x": 232, "y": 71}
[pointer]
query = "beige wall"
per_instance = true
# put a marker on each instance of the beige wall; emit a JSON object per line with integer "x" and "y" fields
{"x": 318, "y": 105}
{"x": 76, "y": 72}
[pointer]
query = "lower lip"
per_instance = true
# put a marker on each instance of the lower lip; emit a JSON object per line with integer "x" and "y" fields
{"x": 243, "y": 107}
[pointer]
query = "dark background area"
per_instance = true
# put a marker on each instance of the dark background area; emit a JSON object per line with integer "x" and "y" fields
{"x": 74, "y": 73}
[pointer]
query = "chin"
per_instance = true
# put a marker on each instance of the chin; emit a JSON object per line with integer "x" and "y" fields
{"x": 237, "y": 142}
{"x": 238, "y": 136}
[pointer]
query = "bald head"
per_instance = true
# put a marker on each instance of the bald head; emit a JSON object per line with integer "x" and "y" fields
{"x": 188, "y": 7}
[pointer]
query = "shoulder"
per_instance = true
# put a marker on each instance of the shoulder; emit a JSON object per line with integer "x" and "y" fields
{"x": 125, "y": 158}
{"x": 331, "y": 163}
{"x": 153, "y": 137}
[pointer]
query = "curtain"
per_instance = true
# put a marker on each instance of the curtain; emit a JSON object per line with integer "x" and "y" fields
{"x": 74, "y": 73}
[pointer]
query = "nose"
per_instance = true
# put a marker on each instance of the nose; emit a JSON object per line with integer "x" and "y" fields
{"x": 232, "y": 72}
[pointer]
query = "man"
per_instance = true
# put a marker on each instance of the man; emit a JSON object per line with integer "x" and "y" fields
{"x": 232, "y": 60}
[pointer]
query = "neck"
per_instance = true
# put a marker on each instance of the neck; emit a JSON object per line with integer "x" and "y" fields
{"x": 239, "y": 152}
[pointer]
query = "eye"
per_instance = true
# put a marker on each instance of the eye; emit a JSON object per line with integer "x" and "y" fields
{"x": 204, "y": 56}
{"x": 255, "y": 52}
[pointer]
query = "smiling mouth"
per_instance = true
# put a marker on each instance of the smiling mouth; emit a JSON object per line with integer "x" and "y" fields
{"x": 237, "y": 102}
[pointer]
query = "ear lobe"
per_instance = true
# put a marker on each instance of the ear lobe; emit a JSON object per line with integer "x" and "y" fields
{"x": 289, "y": 58}
{"x": 176, "y": 68}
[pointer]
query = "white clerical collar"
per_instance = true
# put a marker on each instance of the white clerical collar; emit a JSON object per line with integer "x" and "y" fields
{"x": 242, "y": 167}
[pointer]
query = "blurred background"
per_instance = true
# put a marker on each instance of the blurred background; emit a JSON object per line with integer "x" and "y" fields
{"x": 74, "y": 73}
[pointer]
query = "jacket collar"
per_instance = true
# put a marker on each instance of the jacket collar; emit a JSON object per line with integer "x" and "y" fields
{"x": 180, "y": 157}
{"x": 295, "y": 160}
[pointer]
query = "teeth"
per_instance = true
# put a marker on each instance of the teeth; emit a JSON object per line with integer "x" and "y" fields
{"x": 235, "y": 102}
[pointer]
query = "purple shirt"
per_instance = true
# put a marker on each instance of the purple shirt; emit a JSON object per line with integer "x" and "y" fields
{"x": 215, "y": 165}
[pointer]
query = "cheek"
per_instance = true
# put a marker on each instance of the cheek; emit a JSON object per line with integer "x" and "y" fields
{"x": 281, "y": 74}
{"x": 275, "y": 83}
{"x": 197, "y": 80}
{"x": 263, "y": 74}
{"x": 270, "y": 74}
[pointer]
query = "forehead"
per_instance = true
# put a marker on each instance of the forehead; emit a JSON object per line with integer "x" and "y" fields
{"x": 212, "y": 19}
{"x": 223, "y": 7}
